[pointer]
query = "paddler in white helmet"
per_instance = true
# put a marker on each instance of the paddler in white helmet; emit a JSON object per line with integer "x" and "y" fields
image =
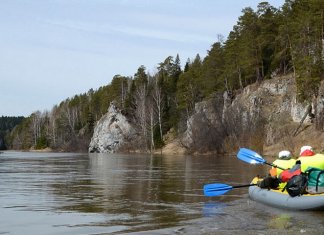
{"x": 284, "y": 161}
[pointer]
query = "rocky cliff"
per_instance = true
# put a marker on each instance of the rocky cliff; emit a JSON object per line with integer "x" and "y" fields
{"x": 265, "y": 116}
{"x": 112, "y": 132}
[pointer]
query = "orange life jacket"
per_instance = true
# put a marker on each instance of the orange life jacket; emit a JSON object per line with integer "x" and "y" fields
{"x": 286, "y": 175}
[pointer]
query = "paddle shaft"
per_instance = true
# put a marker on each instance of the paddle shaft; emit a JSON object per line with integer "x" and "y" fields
{"x": 275, "y": 166}
{"x": 242, "y": 186}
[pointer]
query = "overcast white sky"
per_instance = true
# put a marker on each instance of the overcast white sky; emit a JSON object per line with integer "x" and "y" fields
{"x": 54, "y": 49}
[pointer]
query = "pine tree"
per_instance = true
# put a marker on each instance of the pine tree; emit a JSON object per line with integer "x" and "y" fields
{"x": 212, "y": 70}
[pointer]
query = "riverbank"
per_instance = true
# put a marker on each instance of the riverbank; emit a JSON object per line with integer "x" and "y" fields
{"x": 45, "y": 150}
{"x": 307, "y": 136}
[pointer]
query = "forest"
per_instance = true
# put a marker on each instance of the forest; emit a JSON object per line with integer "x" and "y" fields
{"x": 6, "y": 125}
{"x": 265, "y": 43}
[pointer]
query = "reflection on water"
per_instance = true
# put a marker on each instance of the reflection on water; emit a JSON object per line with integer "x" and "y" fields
{"x": 213, "y": 209}
{"x": 282, "y": 221}
{"x": 59, "y": 193}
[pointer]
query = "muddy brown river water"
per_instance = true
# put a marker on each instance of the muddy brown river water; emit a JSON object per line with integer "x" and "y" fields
{"x": 70, "y": 193}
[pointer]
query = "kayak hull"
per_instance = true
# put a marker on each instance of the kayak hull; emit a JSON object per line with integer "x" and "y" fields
{"x": 279, "y": 199}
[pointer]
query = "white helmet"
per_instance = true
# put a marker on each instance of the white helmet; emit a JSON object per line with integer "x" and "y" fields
{"x": 285, "y": 154}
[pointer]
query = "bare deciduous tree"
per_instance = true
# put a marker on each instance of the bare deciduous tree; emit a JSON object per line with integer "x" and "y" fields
{"x": 141, "y": 111}
{"x": 36, "y": 125}
{"x": 158, "y": 97}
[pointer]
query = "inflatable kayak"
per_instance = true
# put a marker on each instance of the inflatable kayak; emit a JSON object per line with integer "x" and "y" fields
{"x": 277, "y": 198}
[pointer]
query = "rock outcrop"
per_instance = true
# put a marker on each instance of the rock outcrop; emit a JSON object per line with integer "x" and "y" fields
{"x": 268, "y": 111}
{"x": 204, "y": 128}
{"x": 275, "y": 102}
{"x": 112, "y": 132}
{"x": 266, "y": 116}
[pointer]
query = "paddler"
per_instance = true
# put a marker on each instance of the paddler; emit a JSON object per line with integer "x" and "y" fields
{"x": 309, "y": 158}
{"x": 284, "y": 161}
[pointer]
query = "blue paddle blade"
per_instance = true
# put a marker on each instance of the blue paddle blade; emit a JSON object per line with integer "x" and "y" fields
{"x": 250, "y": 156}
{"x": 212, "y": 190}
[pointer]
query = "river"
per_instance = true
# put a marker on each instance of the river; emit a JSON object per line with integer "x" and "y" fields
{"x": 70, "y": 193}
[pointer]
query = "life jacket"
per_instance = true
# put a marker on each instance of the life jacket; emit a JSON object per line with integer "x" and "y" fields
{"x": 286, "y": 175}
{"x": 285, "y": 164}
{"x": 316, "y": 161}
{"x": 296, "y": 180}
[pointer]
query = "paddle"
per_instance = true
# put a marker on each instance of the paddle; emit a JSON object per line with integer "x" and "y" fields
{"x": 252, "y": 157}
{"x": 211, "y": 190}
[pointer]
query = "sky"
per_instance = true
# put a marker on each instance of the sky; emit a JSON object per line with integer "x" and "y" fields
{"x": 51, "y": 50}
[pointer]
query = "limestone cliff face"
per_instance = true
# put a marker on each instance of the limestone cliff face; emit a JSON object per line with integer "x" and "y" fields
{"x": 204, "y": 128}
{"x": 271, "y": 104}
{"x": 275, "y": 102}
{"x": 111, "y": 132}
{"x": 268, "y": 112}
